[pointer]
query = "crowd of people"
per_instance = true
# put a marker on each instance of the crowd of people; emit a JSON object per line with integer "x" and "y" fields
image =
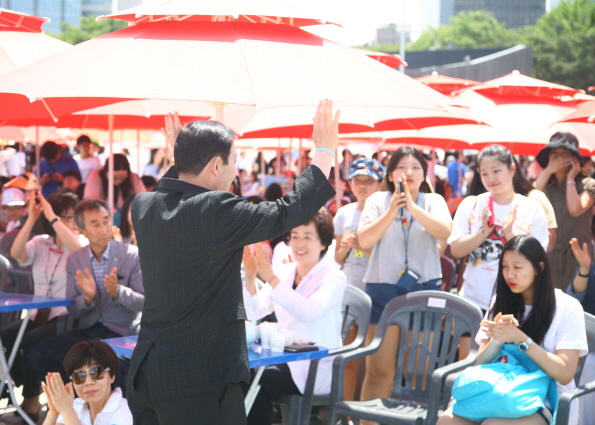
{"x": 519, "y": 232}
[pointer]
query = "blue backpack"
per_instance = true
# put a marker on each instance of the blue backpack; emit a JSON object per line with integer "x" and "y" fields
{"x": 512, "y": 386}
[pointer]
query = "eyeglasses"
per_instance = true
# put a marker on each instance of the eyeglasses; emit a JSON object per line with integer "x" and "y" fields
{"x": 67, "y": 217}
{"x": 96, "y": 373}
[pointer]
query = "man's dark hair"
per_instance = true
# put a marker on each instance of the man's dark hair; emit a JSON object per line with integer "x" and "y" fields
{"x": 88, "y": 205}
{"x": 87, "y": 353}
{"x": 61, "y": 202}
{"x": 83, "y": 138}
{"x": 50, "y": 150}
{"x": 73, "y": 173}
{"x": 199, "y": 142}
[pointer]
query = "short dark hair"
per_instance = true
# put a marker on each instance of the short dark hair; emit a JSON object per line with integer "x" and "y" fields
{"x": 148, "y": 181}
{"x": 60, "y": 202}
{"x": 73, "y": 173}
{"x": 49, "y": 150}
{"x": 88, "y": 205}
{"x": 273, "y": 192}
{"x": 394, "y": 161}
{"x": 83, "y": 138}
{"x": 89, "y": 352}
{"x": 323, "y": 221}
{"x": 199, "y": 142}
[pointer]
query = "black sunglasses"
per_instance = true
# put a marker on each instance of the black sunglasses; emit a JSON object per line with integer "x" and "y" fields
{"x": 80, "y": 376}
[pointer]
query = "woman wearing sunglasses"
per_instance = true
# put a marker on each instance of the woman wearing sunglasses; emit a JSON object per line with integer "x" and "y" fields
{"x": 92, "y": 367}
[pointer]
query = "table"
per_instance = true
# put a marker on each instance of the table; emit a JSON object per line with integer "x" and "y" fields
{"x": 257, "y": 357}
{"x": 17, "y": 302}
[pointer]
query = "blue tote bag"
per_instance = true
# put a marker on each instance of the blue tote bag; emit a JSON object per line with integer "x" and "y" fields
{"x": 512, "y": 386}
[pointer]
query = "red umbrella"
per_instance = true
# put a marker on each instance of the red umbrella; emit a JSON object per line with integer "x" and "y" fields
{"x": 517, "y": 84}
{"x": 392, "y": 60}
{"x": 254, "y": 11}
{"x": 19, "y": 21}
{"x": 444, "y": 84}
{"x": 266, "y": 66}
{"x": 584, "y": 114}
{"x": 521, "y": 123}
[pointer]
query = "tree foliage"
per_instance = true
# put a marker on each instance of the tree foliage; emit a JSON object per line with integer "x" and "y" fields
{"x": 89, "y": 28}
{"x": 475, "y": 29}
{"x": 564, "y": 45}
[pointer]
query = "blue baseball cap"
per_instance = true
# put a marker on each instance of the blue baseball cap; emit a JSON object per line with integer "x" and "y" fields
{"x": 368, "y": 167}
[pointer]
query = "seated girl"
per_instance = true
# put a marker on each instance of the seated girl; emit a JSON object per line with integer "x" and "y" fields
{"x": 544, "y": 322}
{"x": 306, "y": 296}
{"x": 92, "y": 366}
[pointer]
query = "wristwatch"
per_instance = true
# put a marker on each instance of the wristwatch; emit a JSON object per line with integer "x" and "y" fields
{"x": 524, "y": 346}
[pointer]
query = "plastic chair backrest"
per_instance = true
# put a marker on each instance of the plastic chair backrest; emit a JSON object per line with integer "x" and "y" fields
{"x": 590, "y": 328}
{"x": 357, "y": 308}
{"x": 420, "y": 351}
{"x": 448, "y": 273}
{"x": 4, "y": 266}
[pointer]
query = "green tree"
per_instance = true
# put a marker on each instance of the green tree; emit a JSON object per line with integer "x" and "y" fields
{"x": 564, "y": 45}
{"x": 89, "y": 28}
{"x": 468, "y": 30}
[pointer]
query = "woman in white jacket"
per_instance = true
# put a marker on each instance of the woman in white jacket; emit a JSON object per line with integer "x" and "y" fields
{"x": 307, "y": 296}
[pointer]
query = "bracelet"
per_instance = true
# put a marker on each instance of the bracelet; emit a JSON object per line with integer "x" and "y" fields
{"x": 583, "y": 275}
{"x": 570, "y": 182}
{"x": 53, "y": 221}
{"x": 325, "y": 150}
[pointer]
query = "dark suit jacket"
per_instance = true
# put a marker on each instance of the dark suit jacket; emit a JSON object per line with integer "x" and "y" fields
{"x": 190, "y": 244}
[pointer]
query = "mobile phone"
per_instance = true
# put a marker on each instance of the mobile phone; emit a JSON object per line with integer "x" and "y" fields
{"x": 570, "y": 166}
{"x": 491, "y": 208}
{"x": 37, "y": 201}
{"x": 300, "y": 348}
{"x": 400, "y": 190}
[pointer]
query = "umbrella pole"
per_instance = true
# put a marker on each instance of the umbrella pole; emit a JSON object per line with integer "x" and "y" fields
{"x": 110, "y": 169}
{"x": 138, "y": 151}
{"x": 300, "y": 159}
{"x": 219, "y": 111}
{"x": 262, "y": 173}
{"x": 37, "y": 153}
{"x": 339, "y": 193}
{"x": 278, "y": 166}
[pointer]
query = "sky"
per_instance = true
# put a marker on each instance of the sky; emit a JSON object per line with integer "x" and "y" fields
{"x": 360, "y": 18}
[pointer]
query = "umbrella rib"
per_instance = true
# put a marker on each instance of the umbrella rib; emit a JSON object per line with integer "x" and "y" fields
{"x": 49, "y": 110}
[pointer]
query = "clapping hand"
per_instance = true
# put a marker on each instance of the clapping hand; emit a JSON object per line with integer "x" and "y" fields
{"x": 249, "y": 263}
{"x": 60, "y": 397}
{"x": 583, "y": 257}
{"x": 508, "y": 224}
{"x": 87, "y": 284}
{"x": 110, "y": 282}
{"x": 485, "y": 220}
{"x": 503, "y": 328}
{"x": 263, "y": 263}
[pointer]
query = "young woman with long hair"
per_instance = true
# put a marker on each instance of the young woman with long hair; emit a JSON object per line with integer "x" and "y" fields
{"x": 544, "y": 322}
{"x": 403, "y": 228}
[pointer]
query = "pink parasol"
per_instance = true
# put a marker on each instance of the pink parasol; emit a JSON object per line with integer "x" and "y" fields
{"x": 254, "y": 11}
{"x": 517, "y": 84}
{"x": 444, "y": 84}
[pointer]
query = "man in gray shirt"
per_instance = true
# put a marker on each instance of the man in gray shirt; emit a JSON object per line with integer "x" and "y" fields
{"x": 104, "y": 280}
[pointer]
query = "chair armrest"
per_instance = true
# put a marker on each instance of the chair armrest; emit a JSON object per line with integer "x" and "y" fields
{"x": 437, "y": 382}
{"x": 339, "y": 368}
{"x": 563, "y": 412}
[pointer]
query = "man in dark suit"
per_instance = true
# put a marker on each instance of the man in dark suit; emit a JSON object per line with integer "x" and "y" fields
{"x": 191, "y": 353}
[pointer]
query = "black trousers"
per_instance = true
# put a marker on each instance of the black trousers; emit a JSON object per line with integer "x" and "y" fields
{"x": 48, "y": 355}
{"x": 276, "y": 381}
{"x": 34, "y": 333}
{"x": 224, "y": 406}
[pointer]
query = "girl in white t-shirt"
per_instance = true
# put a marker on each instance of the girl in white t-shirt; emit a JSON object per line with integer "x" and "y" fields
{"x": 545, "y": 323}
{"x": 483, "y": 223}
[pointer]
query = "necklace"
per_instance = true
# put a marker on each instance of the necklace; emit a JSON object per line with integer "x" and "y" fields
{"x": 50, "y": 280}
